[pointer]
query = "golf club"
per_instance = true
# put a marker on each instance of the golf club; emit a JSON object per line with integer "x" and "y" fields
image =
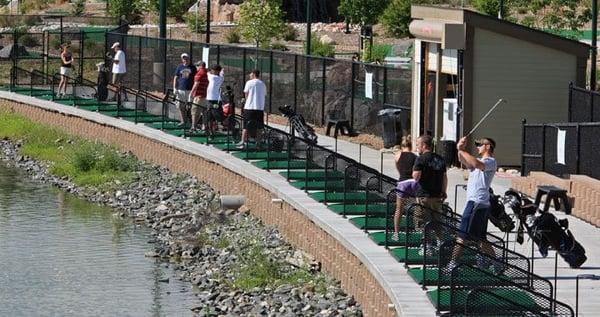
{"x": 485, "y": 116}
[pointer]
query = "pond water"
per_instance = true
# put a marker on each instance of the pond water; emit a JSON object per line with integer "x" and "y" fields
{"x": 61, "y": 256}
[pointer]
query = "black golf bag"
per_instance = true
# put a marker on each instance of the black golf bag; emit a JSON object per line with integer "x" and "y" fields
{"x": 102, "y": 82}
{"x": 498, "y": 215}
{"x": 546, "y": 230}
{"x": 298, "y": 124}
{"x": 228, "y": 114}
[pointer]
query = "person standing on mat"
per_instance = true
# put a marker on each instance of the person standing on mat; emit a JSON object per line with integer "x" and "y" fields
{"x": 214, "y": 112}
{"x": 407, "y": 186}
{"x": 66, "y": 66}
{"x": 119, "y": 69}
{"x": 199, "y": 92}
{"x": 183, "y": 80}
{"x": 474, "y": 221}
{"x": 255, "y": 92}
{"x": 430, "y": 172}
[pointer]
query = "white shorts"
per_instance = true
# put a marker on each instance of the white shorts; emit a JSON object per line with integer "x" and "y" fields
{"x": 65, "y": 71}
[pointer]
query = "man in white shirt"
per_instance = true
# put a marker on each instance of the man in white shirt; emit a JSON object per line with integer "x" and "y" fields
{"x": 255, "y": 92}
{"x": 213, "y": 99}
{"x": 119, "y": 68}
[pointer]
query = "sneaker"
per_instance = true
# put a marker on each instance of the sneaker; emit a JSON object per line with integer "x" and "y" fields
{"x": 240, "y": 145}
{"x": 395, "y": 236}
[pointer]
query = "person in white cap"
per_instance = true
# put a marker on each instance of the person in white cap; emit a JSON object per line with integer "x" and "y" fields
{"x": 183, "y": 80}
{"x": 119, "y": 67}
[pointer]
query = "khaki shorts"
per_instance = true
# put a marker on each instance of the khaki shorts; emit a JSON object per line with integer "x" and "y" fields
{"x": 197, "y": 106}
{"x": 424, "y": 215}
{"x": 117, "y": 79}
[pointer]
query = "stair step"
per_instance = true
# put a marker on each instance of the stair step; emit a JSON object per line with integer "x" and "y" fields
{"x": 375, "y": 223}
{"x": 353, "y": 196}
{"x": 261, "y": 155}
{"x": 312, "y": 175}
{"x": 294, "y": 164}
{"x": 441, "y": 299}
{"x": 414, "y": 255}
{"x": 414, "y": 238}
{"x": 318, "y": 185}
{"x": 360, "y": 209}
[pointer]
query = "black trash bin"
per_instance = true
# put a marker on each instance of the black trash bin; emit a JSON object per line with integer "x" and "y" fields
{"x": 447, "y": 150}
{"x": 392, "y": 126}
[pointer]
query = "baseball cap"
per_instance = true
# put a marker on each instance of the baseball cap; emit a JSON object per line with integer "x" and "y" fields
{"x": 115, "y": 44}
{"x": 185, "y": 55}
{"x": 198, "y": 63}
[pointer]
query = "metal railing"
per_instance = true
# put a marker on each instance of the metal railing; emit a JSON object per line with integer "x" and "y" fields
{"x": 317, "y": 87}
{"x": 584, "y": 105}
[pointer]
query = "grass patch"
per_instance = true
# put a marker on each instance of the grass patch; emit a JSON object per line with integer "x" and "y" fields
{"x": 85, "y": 162}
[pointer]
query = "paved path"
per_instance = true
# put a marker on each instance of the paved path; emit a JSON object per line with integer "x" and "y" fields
{"x": 588, "y": 235}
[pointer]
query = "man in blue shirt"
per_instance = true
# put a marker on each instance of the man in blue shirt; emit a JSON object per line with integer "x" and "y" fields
{"x": 473, "y": 224}
{"x": 183, "y": 81}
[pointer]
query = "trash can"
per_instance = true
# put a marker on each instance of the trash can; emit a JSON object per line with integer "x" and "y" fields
{"x": 392, "y": 126}
{"x": 447, "y": 150}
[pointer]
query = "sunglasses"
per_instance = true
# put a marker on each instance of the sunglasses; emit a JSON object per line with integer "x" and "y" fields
{"x": 478, "y": 144}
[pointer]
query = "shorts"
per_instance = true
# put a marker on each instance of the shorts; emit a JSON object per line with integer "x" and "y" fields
{"x": 432, "y": 211}
{"x": 254, "y": 120}
{"x": 182, "y": 98}
{"x": 118, "y": 78}
{"x": 66, "y": 71}
{"x": 214, "y": 112}
{"x": 197, "y": 105}
{"x": 474, "y": 221}
{"x": 407, "y": 188}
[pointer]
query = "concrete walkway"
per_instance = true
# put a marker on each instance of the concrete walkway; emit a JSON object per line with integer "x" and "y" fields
{"x": 588, "y": 235}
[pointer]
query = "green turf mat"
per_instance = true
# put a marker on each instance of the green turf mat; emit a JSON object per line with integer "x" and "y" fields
{"x": 217, "y": 139}
{"x": 144, "y": 118}
{"x": 233, "y": 148}
{"x": 261, "y": 155}
{"x": 360, "y": 209}
{"x": 99, "y": 107}
{"x": 415, "y": 256}
{"x": 375, "y": 223}
{"x": 318, "y": 185}
{"x": 282, "y": 164}
{"x": 338, "y": 197}
{"x": 168, "y": 125}
{"x": 519, "y": 297}
{"x": 432, "y": 277}
{"x": 414, "y": 238}
{"x": 312, "y": 175}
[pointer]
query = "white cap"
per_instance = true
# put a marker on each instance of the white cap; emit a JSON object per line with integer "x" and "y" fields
{"x": 115, "y": 44}
{"x": 185, "y": 55}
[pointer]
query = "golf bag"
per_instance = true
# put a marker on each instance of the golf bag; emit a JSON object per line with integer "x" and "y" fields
{"x": 546, "y": 230}
{"x": 298, "y": 124}
{"x": 498, "y": 215}
{"x": 228, "y": 114}
{"x": 102, "y": 82}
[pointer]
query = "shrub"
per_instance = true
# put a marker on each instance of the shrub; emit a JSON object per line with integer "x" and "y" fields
{"x": 195, "y": 22}
{"x": 279, "y": 46}
{"x": 78, "y": 8}
{"x": 319, "y": 48}
{"x": 378, "y": 52}
{"x": 290, "y": 33}
{"x": 396, "y": 17}
{"x": 29, "y": 40}
{"x": 7, "y": 21}
{"x": 233, "y": 36}
{"x": 31, "y": 20}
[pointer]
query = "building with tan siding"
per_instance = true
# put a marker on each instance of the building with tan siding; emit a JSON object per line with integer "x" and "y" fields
{"x": 465, "y": 62}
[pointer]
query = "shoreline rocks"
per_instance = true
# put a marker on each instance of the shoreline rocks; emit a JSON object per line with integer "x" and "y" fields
{"x": 223, "y": 253}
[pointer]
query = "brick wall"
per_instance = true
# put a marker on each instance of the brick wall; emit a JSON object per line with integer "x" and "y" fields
{"x": 296, "y": 228}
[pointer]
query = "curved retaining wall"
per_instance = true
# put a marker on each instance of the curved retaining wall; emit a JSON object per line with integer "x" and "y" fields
{"x": 376, "y": 281}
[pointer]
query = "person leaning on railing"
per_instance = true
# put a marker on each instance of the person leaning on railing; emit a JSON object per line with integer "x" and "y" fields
{"x": 406, "y": 188}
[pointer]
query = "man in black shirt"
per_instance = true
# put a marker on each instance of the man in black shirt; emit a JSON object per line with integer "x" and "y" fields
{"x": 430, "y": 172}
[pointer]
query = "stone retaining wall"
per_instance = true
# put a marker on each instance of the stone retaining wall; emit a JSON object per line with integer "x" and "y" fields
{"x": 299, "y": 230}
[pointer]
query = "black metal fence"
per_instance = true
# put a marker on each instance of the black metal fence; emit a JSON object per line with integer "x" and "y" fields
{"x": 580, "y": 148}
{"x": 584, "y": 105}
{"x": 317, "y": 87}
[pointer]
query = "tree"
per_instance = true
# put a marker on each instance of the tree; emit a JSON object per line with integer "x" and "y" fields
{"x": 130, "y": 9}
{"x": 362, "y": 12}
{"x": 175, "y": 8}
{"x": 260, "y": 21}
{"x": 78, "y": 8}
